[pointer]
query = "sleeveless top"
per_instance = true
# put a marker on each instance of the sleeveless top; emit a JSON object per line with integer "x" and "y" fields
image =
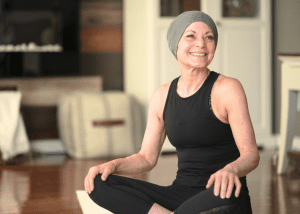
{"x": 203, "y": 143}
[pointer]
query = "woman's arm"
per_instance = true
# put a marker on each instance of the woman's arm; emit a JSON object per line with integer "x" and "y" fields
{"x": 236, "y": 106}
{"x": 147, "y": 158}
{"x": 242, "y": 129}
{"x": 134, "y": 164}
{"x": 154, "y": 138}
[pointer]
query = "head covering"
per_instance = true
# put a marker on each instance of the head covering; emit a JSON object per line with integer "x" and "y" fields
{"x": 178, "y": 26}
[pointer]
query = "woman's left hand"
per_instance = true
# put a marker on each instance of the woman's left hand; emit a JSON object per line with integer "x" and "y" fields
{"x": 224, "y": 180}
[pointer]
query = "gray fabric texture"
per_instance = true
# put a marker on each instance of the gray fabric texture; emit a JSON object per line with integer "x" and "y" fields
{"x": 178, "y": 26}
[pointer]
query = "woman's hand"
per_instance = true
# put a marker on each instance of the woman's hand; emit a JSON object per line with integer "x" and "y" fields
{"x": 224, "y": 180}
{"x": 105, "y": 169}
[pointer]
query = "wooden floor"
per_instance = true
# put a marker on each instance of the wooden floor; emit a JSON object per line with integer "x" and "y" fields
{"x": 47, "y": 184}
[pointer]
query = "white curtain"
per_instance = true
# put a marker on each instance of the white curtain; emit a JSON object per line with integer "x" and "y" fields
{"x": 13, "y": 136}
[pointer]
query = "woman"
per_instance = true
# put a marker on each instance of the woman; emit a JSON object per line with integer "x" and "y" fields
{"x": 206, "y": 118}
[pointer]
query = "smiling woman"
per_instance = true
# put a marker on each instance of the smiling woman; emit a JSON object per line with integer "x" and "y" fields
{"x": 191, "y": 51}
{"x": 215, "y": 141}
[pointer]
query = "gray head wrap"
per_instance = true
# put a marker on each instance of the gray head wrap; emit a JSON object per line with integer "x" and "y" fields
{"x": 178, "y": 26}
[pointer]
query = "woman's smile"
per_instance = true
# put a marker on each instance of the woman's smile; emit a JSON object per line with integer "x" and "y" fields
{"x": 196, "y": 47}
{"x": 198, "y": 54}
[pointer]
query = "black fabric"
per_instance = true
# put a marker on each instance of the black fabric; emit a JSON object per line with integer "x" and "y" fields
{"x": 204, "y": 145}
{"x": 206, "y": 202}
{"x": 127, "y": 195}
{"x": 122, "y": 195}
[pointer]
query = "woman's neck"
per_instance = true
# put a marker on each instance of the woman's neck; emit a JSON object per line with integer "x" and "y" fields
{"x": 191, "y": 81}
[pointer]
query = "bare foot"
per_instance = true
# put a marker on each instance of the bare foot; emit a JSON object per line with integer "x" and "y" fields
{"x": 157, "y": 209}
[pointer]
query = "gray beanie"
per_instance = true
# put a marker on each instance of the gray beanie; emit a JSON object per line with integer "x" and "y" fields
{"x": 178, "y": 26}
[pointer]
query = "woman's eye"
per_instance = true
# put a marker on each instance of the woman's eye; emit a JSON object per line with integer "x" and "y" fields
{"x": 210, "y": 37}
{"x": 191, "y": 36}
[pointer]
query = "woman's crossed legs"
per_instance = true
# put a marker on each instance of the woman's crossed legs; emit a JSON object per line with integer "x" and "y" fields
{"x": 122, "y": 195}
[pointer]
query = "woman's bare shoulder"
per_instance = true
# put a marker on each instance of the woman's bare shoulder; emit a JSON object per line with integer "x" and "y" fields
{"x": 224, "y": 83}
{"x": 162, "y": 91}
{"x": 161, "y": 96}
{"x": 227, "y": 90}
{"x": 165, "y": 88}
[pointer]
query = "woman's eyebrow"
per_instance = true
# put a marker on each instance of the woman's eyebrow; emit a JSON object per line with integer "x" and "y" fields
{"x": 190, "y": 31}
{"x": 195, "y": 31}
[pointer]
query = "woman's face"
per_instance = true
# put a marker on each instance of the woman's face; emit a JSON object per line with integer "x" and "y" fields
{"x": 196, "y": 47}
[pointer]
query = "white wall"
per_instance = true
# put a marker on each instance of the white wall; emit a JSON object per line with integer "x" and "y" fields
{"x": 287, "y": 31}
{"x": 287, "y": 39}
{"x": 135, "y": 61}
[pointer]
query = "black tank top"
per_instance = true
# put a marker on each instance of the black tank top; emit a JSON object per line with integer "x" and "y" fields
{"x": 204, "y": 144}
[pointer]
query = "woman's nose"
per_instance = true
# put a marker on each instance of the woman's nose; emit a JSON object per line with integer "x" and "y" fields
{"x": 200, "y": 42}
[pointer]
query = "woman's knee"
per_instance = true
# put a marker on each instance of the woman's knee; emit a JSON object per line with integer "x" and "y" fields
{"x": 102, "y": 187}
{"x": 232, "y": 199}
{"x": 99, "y": 186}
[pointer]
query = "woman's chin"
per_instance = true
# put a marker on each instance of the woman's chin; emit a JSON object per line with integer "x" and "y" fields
{"x": 199, "y": 65}
{"x": 195, "y": 64}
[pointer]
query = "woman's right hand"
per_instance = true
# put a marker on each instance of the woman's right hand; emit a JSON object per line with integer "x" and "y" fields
{"x": 105, "y": 169}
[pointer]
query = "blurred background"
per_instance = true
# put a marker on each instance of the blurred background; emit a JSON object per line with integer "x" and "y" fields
{"x": 92, "y": 34}
{"x": 89, "y": 31}
{"x": 120, "y": 45}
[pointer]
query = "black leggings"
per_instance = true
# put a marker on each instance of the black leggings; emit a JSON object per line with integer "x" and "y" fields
{"x": 122, "y": 195}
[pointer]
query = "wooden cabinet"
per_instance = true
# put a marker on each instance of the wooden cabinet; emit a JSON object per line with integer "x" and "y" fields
{"x": 101, "y": 26}
{"x": 106, "y": 39}
{"x": 101, "y": 41}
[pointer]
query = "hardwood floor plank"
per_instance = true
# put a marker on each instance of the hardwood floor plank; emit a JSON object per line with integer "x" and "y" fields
{"x": 50, "y": 204}
{"x": 48, "y": 184}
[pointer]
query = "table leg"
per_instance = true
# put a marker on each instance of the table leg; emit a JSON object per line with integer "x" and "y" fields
{"x": 287, "y": 126}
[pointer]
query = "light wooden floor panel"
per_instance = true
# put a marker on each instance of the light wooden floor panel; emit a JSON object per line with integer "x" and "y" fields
{"x": 48, "y": 184}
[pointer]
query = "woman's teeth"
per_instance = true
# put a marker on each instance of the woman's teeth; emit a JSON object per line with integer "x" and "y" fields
{"x": 198, "y": 54}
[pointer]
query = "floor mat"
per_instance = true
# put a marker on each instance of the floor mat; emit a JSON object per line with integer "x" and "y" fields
{"x": 88, "y": 206}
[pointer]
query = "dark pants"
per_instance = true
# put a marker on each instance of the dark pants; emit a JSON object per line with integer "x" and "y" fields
{"x": 122, "y": 195}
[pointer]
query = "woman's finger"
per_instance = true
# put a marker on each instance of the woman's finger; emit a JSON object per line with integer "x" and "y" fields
{"x": 238, "y": 186}
{"x": 210, "y": 181}
{"x": 86, "y": 184}
{"x": 224, "y": 185}
{"x": 218, "y": 180}
{"x": 105, "y": 174}
{"x": 92, "y": 174}
{"x": 230, "y": 187}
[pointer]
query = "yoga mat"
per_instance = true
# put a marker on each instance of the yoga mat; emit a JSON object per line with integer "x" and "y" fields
{"x": 88, "y": 206}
